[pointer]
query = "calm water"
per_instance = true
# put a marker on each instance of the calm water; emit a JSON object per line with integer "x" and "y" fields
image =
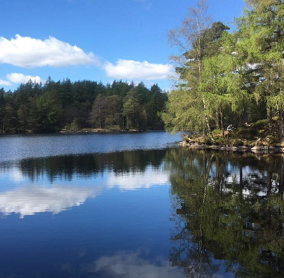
{"x": 135, "y": 205}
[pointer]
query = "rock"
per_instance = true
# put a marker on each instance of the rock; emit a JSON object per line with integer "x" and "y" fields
{"x": 259, "y": 149}
{"x": 226, "y": 148}
{"x": 215, "y": 147}
{"x": 243, "y": 148}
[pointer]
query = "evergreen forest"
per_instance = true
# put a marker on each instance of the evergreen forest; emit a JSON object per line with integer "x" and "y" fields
{"x": 72, "y": 106}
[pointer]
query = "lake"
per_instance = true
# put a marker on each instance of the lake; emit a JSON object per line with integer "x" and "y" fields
{"x": 137, "y": 205}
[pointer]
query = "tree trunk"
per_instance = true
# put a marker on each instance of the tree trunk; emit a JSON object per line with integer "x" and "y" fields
{"x": 217, "y": 119}
{"x": 203, "y": 126}
{"x": 206, "y": 119}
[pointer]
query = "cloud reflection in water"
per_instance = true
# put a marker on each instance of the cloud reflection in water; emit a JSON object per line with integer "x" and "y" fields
{"x": 138, "y": 180}
{"x": 33, "y": 199}
{"x": 132, "y": 264}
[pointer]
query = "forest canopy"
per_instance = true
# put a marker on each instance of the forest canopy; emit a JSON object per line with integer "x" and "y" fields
{"x": 228, "y": 77}
{"x": 54, "y": 106}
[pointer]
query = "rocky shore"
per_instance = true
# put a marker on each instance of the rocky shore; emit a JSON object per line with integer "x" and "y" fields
{"x": 259, "y": 137}
{"x": 231, "y": 148}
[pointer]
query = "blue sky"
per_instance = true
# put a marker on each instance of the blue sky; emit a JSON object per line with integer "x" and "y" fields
{"x": 99, "y": 40}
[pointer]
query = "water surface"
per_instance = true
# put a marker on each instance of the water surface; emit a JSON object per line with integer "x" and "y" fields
{"x": 105, "y": 206}
{"x": 23, "y": 146}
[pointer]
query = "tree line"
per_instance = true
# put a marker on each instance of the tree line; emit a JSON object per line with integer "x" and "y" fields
{"x": 228, "y": 77}
{"x": 54, "y": 106}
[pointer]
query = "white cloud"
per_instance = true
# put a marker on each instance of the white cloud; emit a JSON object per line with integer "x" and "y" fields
{"x": 5, "y": 83}
{"x": 19, "y": 78}
{"x": 28, "y": 52}
{"x": 129, "y": 69}
{"x": 34, "y": 199}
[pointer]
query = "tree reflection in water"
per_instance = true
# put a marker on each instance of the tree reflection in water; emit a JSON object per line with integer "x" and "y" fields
{"x": 90, "y": 164}
{"x": 227, "y": 207}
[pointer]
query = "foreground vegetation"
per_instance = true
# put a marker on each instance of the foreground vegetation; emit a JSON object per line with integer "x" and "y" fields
{"x": 259, "y": 134}
{"x": 73, "y": 106}
{"x": 229, "y": 78}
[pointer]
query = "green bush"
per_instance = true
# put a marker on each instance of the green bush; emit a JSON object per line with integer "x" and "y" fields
{"x": 261, "y": 124}
{"x": 237, "y": 142}
{"x": 246, "y": 132}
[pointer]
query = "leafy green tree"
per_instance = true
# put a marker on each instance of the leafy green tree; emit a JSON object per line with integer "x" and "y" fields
{"x": 225, "y": 76}
{"x": 47, "y": 112}
{"x": 183, "y": 111}
{"x": 10, "y": 119}
{"x": 22, "y": 115}
{"x": 99, "y": 112}
{"x": 114, "y": 111}
{"x": 223, "y": 86}
{"x": 154, "y": 106}
{"x": 260, "y": 34}
{"x": 131, "y": 108}
{"x": 197, "y": 40}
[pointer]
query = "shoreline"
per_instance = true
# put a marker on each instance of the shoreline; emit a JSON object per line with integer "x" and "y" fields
{"x": 101, "y": 130}
{"x": 81, "y": 131}
{"x": 228, "y": 148}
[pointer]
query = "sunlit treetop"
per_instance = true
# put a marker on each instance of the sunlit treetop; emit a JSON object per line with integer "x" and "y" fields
{"x": 262, "y": 4}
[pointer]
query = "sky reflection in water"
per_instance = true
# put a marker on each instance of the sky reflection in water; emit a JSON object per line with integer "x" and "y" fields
{"x": 142, "y": 213}
{"x": 57, "y": 197}
{"x": 77, "y": 215}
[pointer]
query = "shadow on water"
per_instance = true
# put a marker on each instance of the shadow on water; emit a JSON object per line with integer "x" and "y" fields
{"x": 227, "y": 207}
